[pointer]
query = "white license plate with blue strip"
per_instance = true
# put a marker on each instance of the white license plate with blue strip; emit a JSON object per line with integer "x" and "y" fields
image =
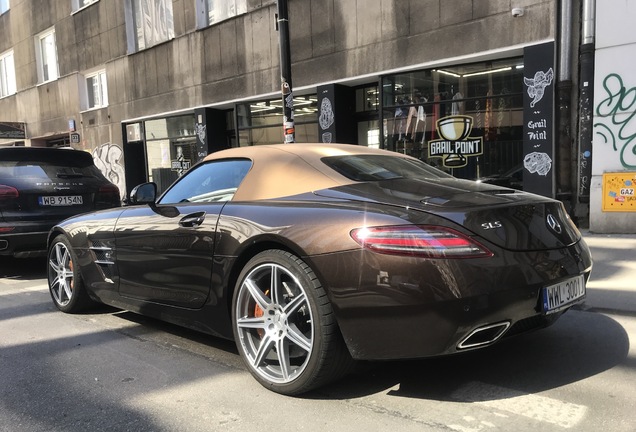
{"x": 563, "y": 294}
{"x": 65, "y": 200}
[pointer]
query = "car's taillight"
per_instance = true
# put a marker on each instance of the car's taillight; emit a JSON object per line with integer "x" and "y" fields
{"x": 420, "y": 240}
{"x": 8, "y": 193}
{"x": 107, "y": 196}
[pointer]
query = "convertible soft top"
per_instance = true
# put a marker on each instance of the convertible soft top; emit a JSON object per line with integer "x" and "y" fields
{"x": 290, "y": 169}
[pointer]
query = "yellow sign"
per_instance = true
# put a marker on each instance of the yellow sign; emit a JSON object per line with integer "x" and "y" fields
{"x": 619, "y": 192}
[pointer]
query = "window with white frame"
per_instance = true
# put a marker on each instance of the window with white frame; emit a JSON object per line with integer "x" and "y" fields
{"x": 46, "y": 53}
{"x": 7, "y": 74}
{"x": 4, "y": 6}
{"x": 219, "y": 10}
{"x": 149, "y": 23}
{"x": 80, "y": 4}
{"x": 96, "y": 90}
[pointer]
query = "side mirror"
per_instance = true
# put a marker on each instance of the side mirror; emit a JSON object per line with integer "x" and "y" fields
{"x": 145, "y": 193}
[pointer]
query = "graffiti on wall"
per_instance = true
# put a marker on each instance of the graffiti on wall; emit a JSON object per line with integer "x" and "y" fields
{"x": 617, "y": 110}
{"x": 109, "y": 159}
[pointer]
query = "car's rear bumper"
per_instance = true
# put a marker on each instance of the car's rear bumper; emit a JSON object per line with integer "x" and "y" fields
{"x": 24, "y": 244}
{"x": 396, "y": 307}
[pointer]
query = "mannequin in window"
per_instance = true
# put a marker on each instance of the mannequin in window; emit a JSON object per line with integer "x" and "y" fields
{"x": 457, "y": 107}
{"x": 398, "y": 118}
{"x": 420, "y": 118}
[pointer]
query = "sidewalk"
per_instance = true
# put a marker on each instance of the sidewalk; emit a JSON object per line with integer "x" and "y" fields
{"x": 612, "y": 286}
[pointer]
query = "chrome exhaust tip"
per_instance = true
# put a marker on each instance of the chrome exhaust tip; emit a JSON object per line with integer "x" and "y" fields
{"x": 4, "y": 245}
{"x": 484, "y": 335}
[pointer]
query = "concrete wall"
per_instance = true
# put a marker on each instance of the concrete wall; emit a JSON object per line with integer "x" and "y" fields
{"x": 614, "y": 139}
{"x": 331, "y": 40}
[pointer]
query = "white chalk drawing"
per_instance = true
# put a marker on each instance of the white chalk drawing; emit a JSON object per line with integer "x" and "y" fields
{"x": 108, "y": 158}
{"x": 326, "y": 118}
{"x": 539, "y": 163}
{"x": 538, "y": 84}
{"x": 199, "y": 128}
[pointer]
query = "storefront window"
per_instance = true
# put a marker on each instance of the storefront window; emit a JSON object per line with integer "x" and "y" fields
{"x": 367, "y": 99}
{"x": 171, "y": 148}
{"x": 367, "y": 107}
{"x": 464, "y": 119}
{"x": 369, "y": 133}
{"x": 262, "y": 122}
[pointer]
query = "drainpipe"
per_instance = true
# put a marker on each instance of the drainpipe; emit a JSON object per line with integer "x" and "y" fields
{"x": 586, "y": 109}
{"x": 564, "y": 150}
{"x": 282, "y": 24}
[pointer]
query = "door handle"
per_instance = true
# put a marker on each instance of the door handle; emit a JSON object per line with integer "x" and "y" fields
{"x": 192, "y": 220}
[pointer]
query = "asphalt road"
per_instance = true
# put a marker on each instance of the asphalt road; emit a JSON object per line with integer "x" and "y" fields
{"x": 117, "y": 371}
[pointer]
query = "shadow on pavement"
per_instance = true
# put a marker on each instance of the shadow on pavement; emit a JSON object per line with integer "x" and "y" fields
{"x": 578, "y": 346}
{"x": 23, "y": 269}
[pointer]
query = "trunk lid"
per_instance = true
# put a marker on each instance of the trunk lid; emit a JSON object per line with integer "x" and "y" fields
{"x": 508, "y": 218}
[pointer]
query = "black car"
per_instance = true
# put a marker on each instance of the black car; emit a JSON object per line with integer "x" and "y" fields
{"x": 39, "y": 187}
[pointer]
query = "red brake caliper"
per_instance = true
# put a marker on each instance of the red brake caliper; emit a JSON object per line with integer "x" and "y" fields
{"x": 70, "y": 266}
{"x": 259, "y": 312}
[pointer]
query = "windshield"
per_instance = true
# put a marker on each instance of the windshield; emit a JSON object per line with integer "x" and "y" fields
{"x": 381, "y": 167}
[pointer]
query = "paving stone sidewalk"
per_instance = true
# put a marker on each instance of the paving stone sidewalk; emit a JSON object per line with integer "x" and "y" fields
{"x": 612, "y": 286}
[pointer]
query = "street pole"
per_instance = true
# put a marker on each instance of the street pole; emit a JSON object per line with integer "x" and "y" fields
{"x": 285, "y": 72}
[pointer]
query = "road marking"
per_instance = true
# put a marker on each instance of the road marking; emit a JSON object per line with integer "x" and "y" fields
{"x": 540, "y": 408}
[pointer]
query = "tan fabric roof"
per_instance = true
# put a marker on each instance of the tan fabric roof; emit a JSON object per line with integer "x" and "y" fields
{"x": 288, "y": 169}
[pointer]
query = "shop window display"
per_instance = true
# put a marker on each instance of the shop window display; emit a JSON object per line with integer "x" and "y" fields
{"x": 170, "y": 148}
{"x": 464, "y": 119}
{"x": 261, "y": 122}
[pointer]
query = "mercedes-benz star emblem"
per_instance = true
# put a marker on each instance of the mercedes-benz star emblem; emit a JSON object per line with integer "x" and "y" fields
{"x": 554, "y": 224}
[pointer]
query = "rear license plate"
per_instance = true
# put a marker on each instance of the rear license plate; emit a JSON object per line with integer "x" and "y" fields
{"x": 563, "y": 294}
{"x": 64, "y": 200}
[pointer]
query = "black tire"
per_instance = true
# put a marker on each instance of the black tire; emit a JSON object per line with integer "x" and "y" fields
{"x": 65, "y": 283}
{"x": 287, "y": 336}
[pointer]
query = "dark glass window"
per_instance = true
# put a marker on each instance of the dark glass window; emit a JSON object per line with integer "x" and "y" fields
{"x": 367, "y": 99}
{"x": 376, "y": 168}
{"x": 262, "y": 122}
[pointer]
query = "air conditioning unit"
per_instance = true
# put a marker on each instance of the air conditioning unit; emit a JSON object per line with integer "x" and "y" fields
{"x": 133, "y": 132}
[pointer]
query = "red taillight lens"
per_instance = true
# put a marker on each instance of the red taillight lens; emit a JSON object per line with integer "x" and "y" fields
{"x": 108, "y": 195}
{"x": 8, "y": 192}
{"x": 420, "y": 240}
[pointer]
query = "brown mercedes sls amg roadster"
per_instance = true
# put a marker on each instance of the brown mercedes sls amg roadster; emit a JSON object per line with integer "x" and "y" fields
{"x": 312, "y": 256}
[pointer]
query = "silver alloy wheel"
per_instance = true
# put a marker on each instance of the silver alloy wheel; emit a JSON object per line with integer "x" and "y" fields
{"x": 61, "y": 264}
{"x": 275, "y": 324}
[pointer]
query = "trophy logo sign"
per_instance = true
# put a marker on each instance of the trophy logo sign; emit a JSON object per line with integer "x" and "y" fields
{"x": 456, "y": 143}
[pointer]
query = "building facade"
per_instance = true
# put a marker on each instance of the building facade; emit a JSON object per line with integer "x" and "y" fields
{"x": 484, "y": 89}
{"x": 613, "y": 170}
